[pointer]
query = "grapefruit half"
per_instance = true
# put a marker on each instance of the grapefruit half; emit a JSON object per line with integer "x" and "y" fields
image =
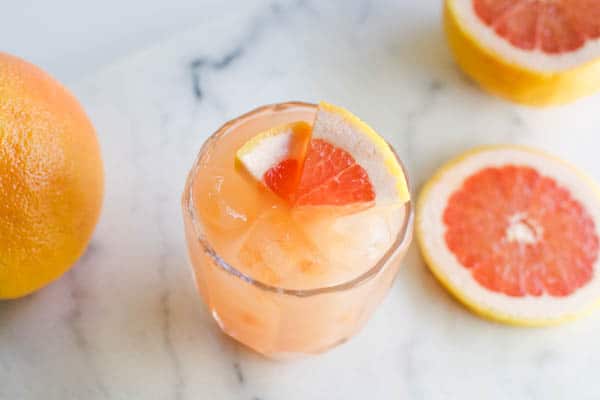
{"x": 536, "y": 52}
{"x": 513, "y": 234}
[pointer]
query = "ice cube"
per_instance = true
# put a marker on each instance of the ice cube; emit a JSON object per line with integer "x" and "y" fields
{"x": 353, "y": 242}
{"x": 278, "y": 252}
{"x": 228, "y": 201}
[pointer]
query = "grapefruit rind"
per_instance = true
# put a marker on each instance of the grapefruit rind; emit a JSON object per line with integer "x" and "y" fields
{"x": 268, "y": 148}
{"x": 346, "y": 131}
{"x": 51, "y": 179}
{"x": 520, "y": 311}
{"x": 515, "y": 79}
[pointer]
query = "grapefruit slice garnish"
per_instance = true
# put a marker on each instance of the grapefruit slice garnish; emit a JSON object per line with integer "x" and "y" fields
{"x": 340, "y": 161}
{"x": 275, "y": 157}
{"x": 513, "y": 234}
{"x": 531, "y": 51}
{"x": 332, "y": 176}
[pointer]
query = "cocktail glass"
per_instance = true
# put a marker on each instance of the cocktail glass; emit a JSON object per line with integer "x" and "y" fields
{"x": 278, "y": 322}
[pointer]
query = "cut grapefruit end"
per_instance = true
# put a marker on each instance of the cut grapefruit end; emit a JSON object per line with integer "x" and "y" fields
{"x": 513, "y": 234}
{"x": 542, "y": 35}
{"x": 534, "y": 52}
{"x": 551, "y": 27}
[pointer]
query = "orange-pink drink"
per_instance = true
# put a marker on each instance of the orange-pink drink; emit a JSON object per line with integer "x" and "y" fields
{"x": 281, "y": 278}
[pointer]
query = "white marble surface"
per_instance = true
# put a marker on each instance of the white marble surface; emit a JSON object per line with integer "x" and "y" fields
{"x": 126, "y": 323}
{"x": 71, "y": 38}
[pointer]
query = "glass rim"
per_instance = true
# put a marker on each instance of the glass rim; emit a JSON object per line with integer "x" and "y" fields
{"x": 401, "y": 242}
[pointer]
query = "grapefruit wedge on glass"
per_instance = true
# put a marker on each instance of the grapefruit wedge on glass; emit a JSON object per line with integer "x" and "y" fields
{"x": 338, "y": 161}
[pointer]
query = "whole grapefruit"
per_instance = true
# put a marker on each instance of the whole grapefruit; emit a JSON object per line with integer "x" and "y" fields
{"x": 51, "y": 178}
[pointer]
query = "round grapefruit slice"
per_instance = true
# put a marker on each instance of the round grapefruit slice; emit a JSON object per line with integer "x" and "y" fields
{"x": 513, "y": 234}
{"x": 338, "y": 161}
{"x": 536, "y": 52}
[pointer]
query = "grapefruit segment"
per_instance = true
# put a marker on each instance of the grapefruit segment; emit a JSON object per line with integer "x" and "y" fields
{"x": 283, "y": 178}
{"x": 332, "y": 177}
{"x": 513, "y": 233}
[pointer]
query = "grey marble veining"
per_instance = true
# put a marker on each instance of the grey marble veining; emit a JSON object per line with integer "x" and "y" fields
{"x": 126, "y": 323}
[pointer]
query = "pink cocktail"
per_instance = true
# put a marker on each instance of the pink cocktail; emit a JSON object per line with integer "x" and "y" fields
{"x": 285, "y": 280}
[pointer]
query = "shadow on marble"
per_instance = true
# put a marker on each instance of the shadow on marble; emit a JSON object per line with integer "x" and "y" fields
{"x": 425, "y": 50}
{"x": 421, "y": 288}
{"x": 10, "y": 309}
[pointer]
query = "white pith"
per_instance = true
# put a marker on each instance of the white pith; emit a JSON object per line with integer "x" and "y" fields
{"x": 535, "y": 60}
{"x": 431, "y": 223}
{"x": 269, "y": 151}
{"x": 522, "y": 230}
